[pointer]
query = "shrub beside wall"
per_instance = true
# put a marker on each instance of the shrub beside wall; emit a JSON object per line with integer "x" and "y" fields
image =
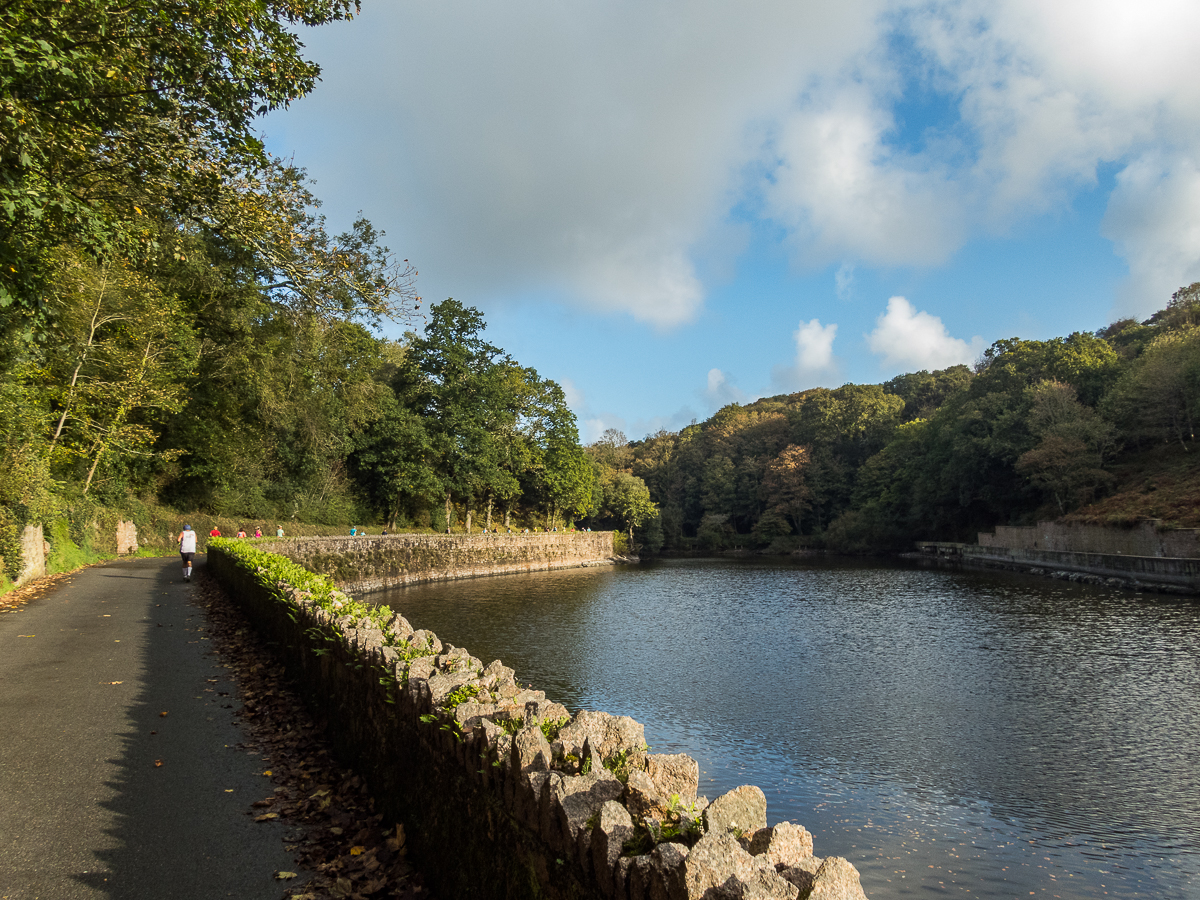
{"x": 503, "y": 793}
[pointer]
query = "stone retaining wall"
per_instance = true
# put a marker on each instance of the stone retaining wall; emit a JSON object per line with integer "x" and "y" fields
{"x": 374, "y": 563}
{"x": 1143, "y": 539}
{"x": 1153, "y": 573}
{"x": 506, "y": 796}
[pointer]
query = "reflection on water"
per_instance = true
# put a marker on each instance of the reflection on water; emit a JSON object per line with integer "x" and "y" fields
{"x": 995, "y": 735}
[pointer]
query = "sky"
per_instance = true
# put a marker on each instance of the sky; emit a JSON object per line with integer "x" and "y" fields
{"x": 669, "y": 206}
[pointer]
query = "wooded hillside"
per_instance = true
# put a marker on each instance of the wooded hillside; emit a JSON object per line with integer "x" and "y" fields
{"x": 1098, "y": 427}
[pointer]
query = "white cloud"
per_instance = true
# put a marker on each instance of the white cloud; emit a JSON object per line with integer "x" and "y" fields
{"x": 720, "y": 391}
{"x": 910, "y": 340}
{"x": 1152, "y": 219}
{"x": 573, "y": 395}
{"x": 843, "y": 280}
{"x": 585, "y": 149}
{"x": 842, "y": 192}
{"x": 592, "y": 429}
{"x": 814, "y": 363}
{"x": 814, "y": 346}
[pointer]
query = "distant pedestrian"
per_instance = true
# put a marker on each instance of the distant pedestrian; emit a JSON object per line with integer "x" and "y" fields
{"x": 279, "y": 531}
{"x": 216, "y": 532}
{"x": 187, "y": 549}
{"x": 258, "y": 532}
{"x": 353, "y": 531}
{"x": 241, "y": 532}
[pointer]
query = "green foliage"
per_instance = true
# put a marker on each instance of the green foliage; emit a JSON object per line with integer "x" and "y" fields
{"x": 111, "y": 110}
{"x": 10, "y": 545}
{"x": 278, "y": 575}
{"x": 681, "y": 824}
{"x": 465, "y": 424}
{"x": 551, "y": 727}
{"x": 621, "y": 761}
{"x": 461, "y": 695}
{"x": 175, "y": 320}
{"x": 65, "y": 554}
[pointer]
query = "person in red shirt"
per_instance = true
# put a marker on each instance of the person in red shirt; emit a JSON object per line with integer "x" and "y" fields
{"x": 216, "y": 532}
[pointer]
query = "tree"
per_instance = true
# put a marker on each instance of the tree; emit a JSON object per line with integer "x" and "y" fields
{"x": 1158, "y": 397}
{"x": 122, "y": 359}
{"x": 1072, "y": 441}
{"x": 629, "y": 500}
{"x": 391, "y": 461}
{"x": 104, "y": 107}
{"x": 784, "y": 486}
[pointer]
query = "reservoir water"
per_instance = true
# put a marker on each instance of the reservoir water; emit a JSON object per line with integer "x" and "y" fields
{"x": 950, "y": 733}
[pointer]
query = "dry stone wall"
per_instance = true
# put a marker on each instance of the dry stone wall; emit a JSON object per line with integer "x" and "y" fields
{"x": 374, "y": 563}
{"x": 505, "y": 794}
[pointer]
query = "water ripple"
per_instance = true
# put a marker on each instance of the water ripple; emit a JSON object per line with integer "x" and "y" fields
{"x": 989, "y": 734}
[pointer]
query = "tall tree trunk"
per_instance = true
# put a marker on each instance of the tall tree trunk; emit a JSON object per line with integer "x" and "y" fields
{"x": 93, "y": 327}
{"x": 488, "y": 526}
{"x": 118, "y": 420}
{"x": 469, "y": 511}
{"x": 447, "y": 512}
{"x": 508, "y": 515}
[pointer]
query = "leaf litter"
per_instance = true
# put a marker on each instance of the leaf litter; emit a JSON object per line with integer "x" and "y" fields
{"x": 340, "y": 843}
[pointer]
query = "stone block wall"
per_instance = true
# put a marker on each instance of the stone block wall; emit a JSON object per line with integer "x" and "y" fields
{"x": 503, "y": 793}
{"x": 372, "y": 563}
{"x": 1143, "y": 539}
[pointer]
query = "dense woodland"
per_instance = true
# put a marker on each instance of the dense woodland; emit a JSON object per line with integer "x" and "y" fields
{"x": 179, "y": 330}
{"x": 1035, "y": 429}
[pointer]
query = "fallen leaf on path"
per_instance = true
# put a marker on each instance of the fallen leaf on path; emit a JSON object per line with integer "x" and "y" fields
{"x": 357, "y": 851}
{"x": 164, "y": 712}
{"x": 266, "y": 817}
{"x": 284, "y": 876}
{"x": 158, "y": 764}
{"x": 112, "y": 682}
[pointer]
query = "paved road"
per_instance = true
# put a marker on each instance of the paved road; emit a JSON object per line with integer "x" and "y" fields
{"x": 85, "y": 672}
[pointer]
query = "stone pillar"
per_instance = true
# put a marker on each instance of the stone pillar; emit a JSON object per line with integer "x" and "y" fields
{"x": 33, "y": 553}
{"x": 126, "y": 538}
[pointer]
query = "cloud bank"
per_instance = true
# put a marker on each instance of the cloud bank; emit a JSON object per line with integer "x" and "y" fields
{"x": 593, "y": 150}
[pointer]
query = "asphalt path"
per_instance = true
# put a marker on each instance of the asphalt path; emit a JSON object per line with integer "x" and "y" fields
{"x": 103, "y": 796}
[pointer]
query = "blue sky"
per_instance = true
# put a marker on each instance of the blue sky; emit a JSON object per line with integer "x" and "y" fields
{"x": 669, "y": 206}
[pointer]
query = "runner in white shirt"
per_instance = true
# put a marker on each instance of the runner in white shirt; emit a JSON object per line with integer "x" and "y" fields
{"x": 187, "y": 549}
